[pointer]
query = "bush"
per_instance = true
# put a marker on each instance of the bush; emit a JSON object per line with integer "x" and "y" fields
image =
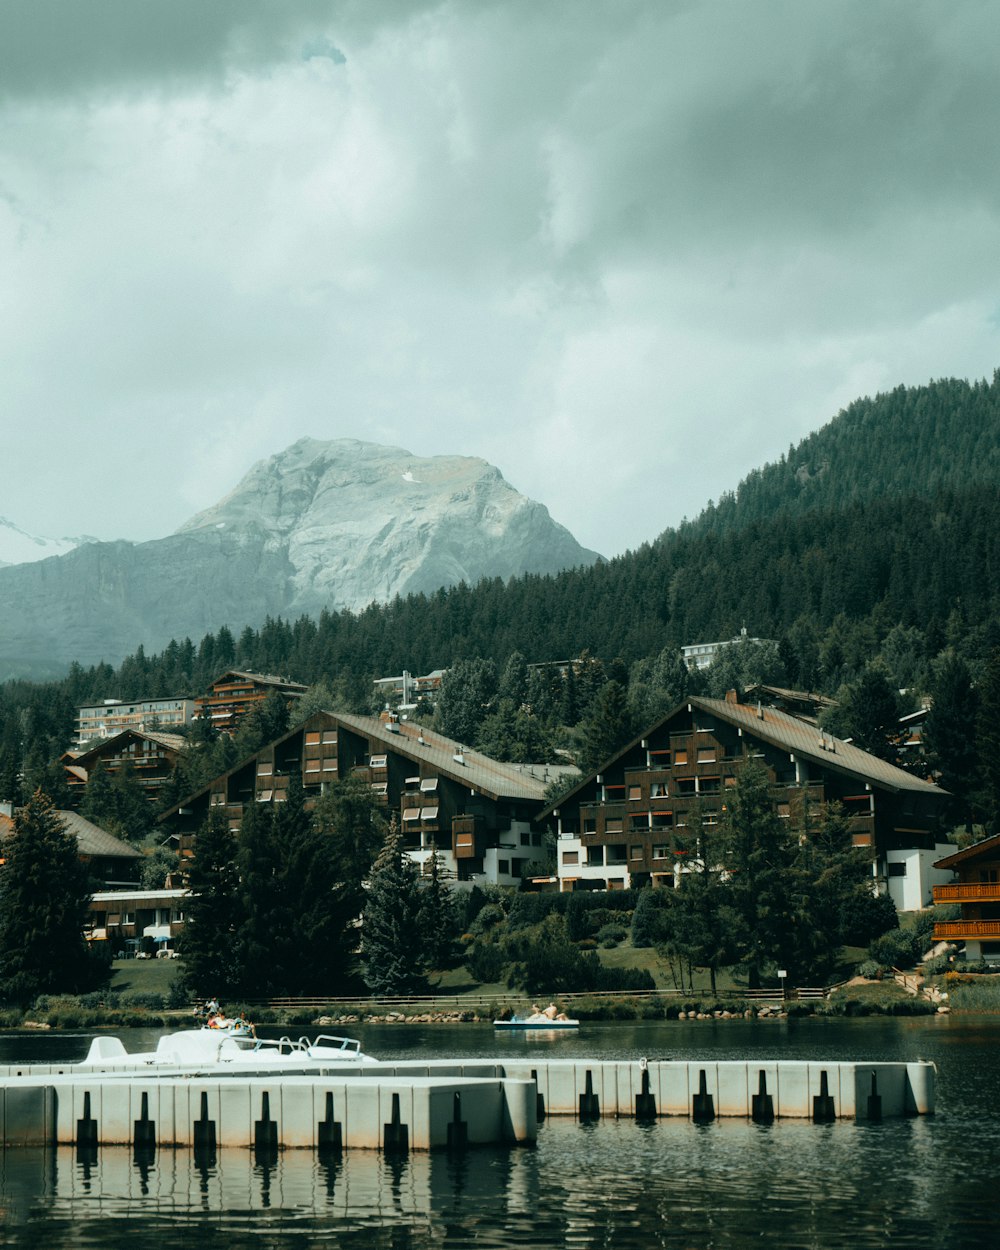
{"x": 611, "y": 934}
{"x": 486, "y": 962}
{"x": 151, "y": 1002}
{"x": 870, "y": 970}
{"x": 899, "y": 948}
{"x": 487, "y": 918}
{"x": 864, "y": 916}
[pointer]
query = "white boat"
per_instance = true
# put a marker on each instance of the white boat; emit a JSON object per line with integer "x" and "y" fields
{"x": 209, "y": 1048}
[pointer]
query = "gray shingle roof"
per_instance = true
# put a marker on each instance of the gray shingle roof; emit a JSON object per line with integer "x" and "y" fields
{"x": 478, "y": 772}
{"x": 92, "y": 840}
{"x": 794, "y": 734}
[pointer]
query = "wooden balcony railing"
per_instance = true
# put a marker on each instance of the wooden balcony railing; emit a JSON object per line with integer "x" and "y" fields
{"x": 968, "y": 892}
{"x": 965, "y": 930}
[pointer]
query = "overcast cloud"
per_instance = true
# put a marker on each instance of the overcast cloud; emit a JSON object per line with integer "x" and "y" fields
{"x": 627, "y": 250}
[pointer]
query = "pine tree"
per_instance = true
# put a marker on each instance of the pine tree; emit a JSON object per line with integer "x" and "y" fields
{"x": 213, "y": 913}
{"x": 950, "y": 737}
{"x": 391, "y": 948}
{"x": 438, "y": 916}
{"x": 44, "y": 896}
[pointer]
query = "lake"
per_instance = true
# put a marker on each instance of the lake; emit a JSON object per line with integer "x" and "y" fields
{"x": 929, "y": 1182}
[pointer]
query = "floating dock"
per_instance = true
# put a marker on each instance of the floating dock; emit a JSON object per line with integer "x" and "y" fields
{"x": 421, "y": 1105}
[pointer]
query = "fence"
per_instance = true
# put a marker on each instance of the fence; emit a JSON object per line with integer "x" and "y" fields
{"x": 454, "y": 1003}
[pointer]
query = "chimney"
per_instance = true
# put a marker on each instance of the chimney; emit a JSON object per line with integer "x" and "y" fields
{"x": 732, "y": 696}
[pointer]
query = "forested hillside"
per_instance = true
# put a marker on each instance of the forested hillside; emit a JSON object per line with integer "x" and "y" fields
{"x": 878, "y": 536}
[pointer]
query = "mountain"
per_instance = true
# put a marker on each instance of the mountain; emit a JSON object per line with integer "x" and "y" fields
{"x": 18, "y": 547}
{"x": 321, "y": 526}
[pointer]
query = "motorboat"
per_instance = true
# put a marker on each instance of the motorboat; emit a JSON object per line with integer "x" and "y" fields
{"x": 215, "y": 1047}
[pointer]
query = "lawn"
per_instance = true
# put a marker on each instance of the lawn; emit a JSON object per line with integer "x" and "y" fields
{"x": 144, "y": 976}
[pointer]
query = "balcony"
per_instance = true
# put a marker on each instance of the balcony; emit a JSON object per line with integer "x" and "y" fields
{"x": 968, "y": 892}
{"x": 966, "y": 930}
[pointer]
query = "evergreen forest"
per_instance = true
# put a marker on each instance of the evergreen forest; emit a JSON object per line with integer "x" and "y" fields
{"x": 875, "y": 539}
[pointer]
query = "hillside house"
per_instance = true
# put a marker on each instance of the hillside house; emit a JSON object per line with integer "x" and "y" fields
{"x": 235, "y": 692}
{"x": 977, "y": 891}
{"x": 475, "y": 811}
{"x": 623, "y": 826}
{"x": 151, "y": 756}
{"x": 111, "y": 717}
{"x": 112, "y": 862}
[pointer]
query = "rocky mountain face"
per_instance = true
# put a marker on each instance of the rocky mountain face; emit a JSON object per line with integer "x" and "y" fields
{"x": 321, "y": 525}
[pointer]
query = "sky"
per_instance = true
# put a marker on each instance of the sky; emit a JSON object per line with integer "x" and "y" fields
{"x": 626, "y": 250}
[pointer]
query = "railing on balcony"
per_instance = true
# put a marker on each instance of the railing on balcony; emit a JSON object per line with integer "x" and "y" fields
{"x": 963, "y": 930}
{"x": 968, "y": 892}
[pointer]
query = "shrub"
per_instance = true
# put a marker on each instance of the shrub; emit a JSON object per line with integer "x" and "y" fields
{"x": 152, "y": 1002}
{"x": 899, "y": 948}
{"x": 870, "y": 970}
{"x": 611, "y": 934}
{"x": 486, "y": 962}
{"x": 487, "y": 918}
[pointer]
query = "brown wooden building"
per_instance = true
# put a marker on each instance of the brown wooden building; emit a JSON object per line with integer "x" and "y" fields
{"x": 151, "y": 756}
{"x": 475, "y": 811}
{"x": 235, "y": 692}
{"x": 977, "y": 890}
{"x": 625, "y": 825}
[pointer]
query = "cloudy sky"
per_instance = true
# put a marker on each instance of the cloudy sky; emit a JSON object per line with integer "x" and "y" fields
{"x": 626, "y": 250}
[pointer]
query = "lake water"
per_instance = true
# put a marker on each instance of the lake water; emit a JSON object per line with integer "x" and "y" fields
{"x": 929, "y": 1182}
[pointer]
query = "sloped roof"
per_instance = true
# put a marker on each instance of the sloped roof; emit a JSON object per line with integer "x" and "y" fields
{"x": 790, "y": 733}
{"x": 172, "y": 742}
{"x": 794, "y": 734}
{"x": 478, "y": 772}
{"x": 90, "y": 838}
{"x": 93, "y": 840}
{"x": 265, "y": 679}
{"x": 985, "y": 848}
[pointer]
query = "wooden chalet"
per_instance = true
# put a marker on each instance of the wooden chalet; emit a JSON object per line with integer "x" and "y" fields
{"x": 476, "y": 812}
{"x": 625, "y": 824}
{"x": 977, "y": 891}
{"x": 151, "y": 756}
{"x": 111, "y": 861}
{"x": 236, "y": 691}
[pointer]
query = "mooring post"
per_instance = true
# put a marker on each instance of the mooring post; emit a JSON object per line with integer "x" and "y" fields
{"x": 824, "y": 1111}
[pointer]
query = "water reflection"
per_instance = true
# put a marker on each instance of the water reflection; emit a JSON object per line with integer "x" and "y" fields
{"x": 909, "y": 1183}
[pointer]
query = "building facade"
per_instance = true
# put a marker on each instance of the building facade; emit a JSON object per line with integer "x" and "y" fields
{"x": 625, "y": 825}
{"x": 236, "y": 691}
{"x": 475, "y": 812}
{"x": 111, "y": 717}
{"x": 151, "y": 757}
{"x": 977, "y": 891}
{"x": 125, "y": 917}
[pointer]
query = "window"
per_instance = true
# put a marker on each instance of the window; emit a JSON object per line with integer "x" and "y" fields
{"x": 634, "y": 794}
{"x": 661, "y": 852}
{"x": 429, "y": 813}
{"x": 595, "y": 856}
{"x": 662, "y": 820}
{"x": 784, "y": 810}
{"x": 686, "y": 785}
{"x": 658, "y": 790}
{"x": 680, "y": 757}
{"x": 265, "y": 768}
{"x": 706, "y": 755}
{"x": 329, "y": 735}
{"x": 312, "y": 739}
{"x": 525, "y": 839}
{"x": 709, "y": 785}
{"x": 377, "y": 761}
{"x": 589, "y": 824}
{"x": 428, "y": 784}
{"x": 503, "y": 867}
{"x": 635, "y": 852}
{"x": 613, "y": 824}
{"x": 312, "y": 766}
{"x": 411, "y": 813}
{"x": 895, "y": 870}
{"x": 381, "y": 788}
{"x": 570, "y": 857}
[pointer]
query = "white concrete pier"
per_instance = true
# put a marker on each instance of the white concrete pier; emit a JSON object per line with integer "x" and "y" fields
{"x": 427, "y": 1105}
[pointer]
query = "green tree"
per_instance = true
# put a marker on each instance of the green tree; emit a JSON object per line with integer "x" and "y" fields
{"x": 44, "y": 896}
{"x": 391, "y": 948}
{"x": 439, "y": 917}
{"x": 950, "y": 734}
{"x": 607, "y": 728}
{"x": 214, "y": 912}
